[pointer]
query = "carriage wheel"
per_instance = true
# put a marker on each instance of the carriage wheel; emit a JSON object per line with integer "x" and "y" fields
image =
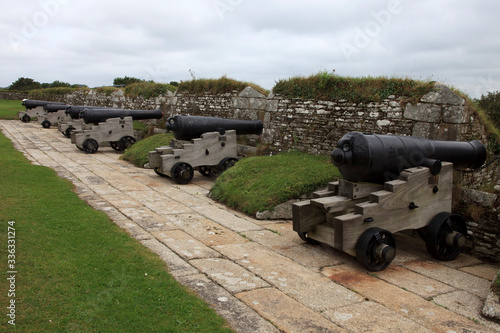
{"x": 115, "y": 145}
{"x": 227, "y": 163}
{"x": 182, "y": 173}
{"x": 303, "y": 236}
{"x": 126, "y": 142}
{"x": 445, "y": 236}
{"x": 68, "y": 131}
{"x": 90, "y": 146}
{"x": 208, "y": 170}
{"x": 375, "y": 249}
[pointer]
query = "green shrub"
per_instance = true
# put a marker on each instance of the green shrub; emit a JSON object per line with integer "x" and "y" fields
{"x": 486, "y": 118}
{"x": 261, "y": 183}
{"x": 491, "y": 104}
{"x": 138, "y": 154}
{"x": 329, "y": 87}
{"x": 223, "y": 85}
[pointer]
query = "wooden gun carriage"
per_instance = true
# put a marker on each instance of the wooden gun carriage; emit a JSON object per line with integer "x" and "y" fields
{"x": 35, "y": 109}
{"x": 201, "y": 143}
{"x": 113, "y": 125}
{"x": 390, "y": 184}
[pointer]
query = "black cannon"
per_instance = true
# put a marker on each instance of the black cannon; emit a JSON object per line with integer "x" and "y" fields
{"x": 190, "y": 127}
{"x": 34, "y": 108}
{"x": 94, "y": 115}
{"x": 391, "y": 183}
{"x": 202, "y": 143}
{"x": 54, "y": 107}
{"x": 74, "y": 122}
{"x": 372, "y": 157}
{"x": 32, "y": 103}
{"x": 73, "y": 111}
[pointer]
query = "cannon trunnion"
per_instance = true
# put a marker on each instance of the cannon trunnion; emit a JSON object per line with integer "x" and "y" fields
{"x": 390, "y": 184}
{"x": 202, "y": 143}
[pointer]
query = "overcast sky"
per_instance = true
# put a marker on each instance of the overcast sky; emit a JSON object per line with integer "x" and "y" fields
{"x": 94, "y": 41}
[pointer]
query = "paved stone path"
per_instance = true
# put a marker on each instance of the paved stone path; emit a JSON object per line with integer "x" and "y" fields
{"x": 258, "y": 274}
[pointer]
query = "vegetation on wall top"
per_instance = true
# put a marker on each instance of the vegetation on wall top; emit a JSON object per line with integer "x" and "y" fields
{"x": 222, "y": 85}
{"x": 330, "y": 87}
{"x": 148, "y": 89}
{"x": 49, "y": 93}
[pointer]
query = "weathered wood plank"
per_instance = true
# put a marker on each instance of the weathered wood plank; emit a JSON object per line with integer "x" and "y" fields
{"x": 305, "y": 216}
{"x": 357, "y": 190}
{"x": 392, "y": 212}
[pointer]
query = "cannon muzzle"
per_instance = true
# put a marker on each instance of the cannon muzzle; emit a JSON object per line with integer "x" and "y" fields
{"x": 32, "y": 103}
{"x": 92, "y": 115}
{"x": 190, "y": 127}
{"x": 371, "y": 157}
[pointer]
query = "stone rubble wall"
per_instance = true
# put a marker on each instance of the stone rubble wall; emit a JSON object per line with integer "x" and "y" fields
{"x": 14, "y": 95}
{"x": 316, "y": 126}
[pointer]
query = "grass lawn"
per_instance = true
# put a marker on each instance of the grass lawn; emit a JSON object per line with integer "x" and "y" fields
{"x": 76, "y": 270}
{"x": 9, "y": 108}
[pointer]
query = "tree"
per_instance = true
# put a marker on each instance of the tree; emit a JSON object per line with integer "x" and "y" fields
{"x": 491, "y": 104}
{"x": 58, "y": 83}
{"x": 24, "y": 84}
{"x": 123, "y": 81}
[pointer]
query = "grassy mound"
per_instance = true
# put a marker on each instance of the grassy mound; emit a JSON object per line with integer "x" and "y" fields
{"x": 148, "y": 89}
{"x": 329, "y": 87}
{"x": 260, "y": 183}
{"x": 223, "y": 85}
{"x": 138, "y": 153}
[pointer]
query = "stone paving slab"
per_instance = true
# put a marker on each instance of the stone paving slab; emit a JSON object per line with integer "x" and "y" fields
{"x": 301, "y": 287}
{"x": 290, "y": 315}
{"x": 454, "y": 278}
{"x": 421, "y": 285}
{"x": 241, "y": 317}
{"x": 205, "y": 230}
{"x": 229, "y": 275}
{"x": 305, "y": 255}
{"x": 412, "y": 306}
{"x": 185, "y": 245}
{"x": 372, "y": 317}
{"x": 465, "y": 304}
{"x": 304, "y": 285}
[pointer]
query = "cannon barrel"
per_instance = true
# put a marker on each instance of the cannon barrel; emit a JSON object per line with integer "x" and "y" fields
{"x": 74, "y": 110}
{"x": 32, "y": 103}
{"x": 54, "y": 107}
{"x": 190, "y": 127}
{"x": 99, "y": 115}
{"x": 371, "y": 157}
